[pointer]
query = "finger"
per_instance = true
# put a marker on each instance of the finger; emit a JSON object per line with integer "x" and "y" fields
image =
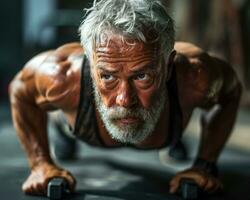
{"x": 71, "y": 180}
{"x": 217, "y": 186}
{"x": 32, "y": 189}
{"x": 26, "y": 188}
{"x": 72, "y": 183}
{"x": 37, "y": 189}
{"x": 199, "y": 179}
{"x": 174, "y": 184}
{"x": 210, "y": 185}
{"x": 41, "y": 188}
{"x": 173, "y": 187}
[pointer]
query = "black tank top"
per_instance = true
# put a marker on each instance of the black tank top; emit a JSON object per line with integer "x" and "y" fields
{"x": 86, "y": 123}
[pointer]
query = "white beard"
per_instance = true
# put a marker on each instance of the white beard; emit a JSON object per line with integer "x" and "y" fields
{"x": 131, "y": 134}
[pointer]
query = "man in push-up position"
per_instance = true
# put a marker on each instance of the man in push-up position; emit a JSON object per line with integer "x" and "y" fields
{"x": 128, "y": 83}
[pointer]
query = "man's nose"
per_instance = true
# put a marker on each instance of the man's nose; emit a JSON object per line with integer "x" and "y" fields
{"x": 126, "y": 96}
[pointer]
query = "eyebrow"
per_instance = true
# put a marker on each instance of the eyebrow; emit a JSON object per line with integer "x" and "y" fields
{"x": 106, "y": 69}
{"x": 144, "y": 67}
{"x": 136, "y": 70}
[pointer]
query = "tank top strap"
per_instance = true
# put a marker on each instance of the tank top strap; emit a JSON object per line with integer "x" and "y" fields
{"x": 86, "y": 124}
{"x": 175, "y": 119}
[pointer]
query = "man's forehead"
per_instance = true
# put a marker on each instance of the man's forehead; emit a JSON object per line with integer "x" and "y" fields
{"x": 118, "y": 46}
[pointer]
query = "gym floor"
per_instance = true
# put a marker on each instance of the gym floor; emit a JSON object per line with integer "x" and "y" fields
{"x": 127, "y": 174}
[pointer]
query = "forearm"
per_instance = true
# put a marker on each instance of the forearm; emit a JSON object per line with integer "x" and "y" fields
{"x": 31, "y": 126}
{"x": 217, "y": 125}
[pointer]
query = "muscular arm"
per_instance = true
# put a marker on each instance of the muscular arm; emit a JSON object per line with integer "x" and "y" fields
{"x": 30, "y": 121}
{"x": 217, "y": 121}
{"x": 46, "y": 83}
{"x": 211, "y": 84}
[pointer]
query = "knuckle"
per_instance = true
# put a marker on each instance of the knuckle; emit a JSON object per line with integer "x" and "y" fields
{"x": 174, "y": 180}
{"x": 24, "y": 186}
{"x": 65, "y": 173}
{"x": 218, "y": 184}
{"x": 25, "y": 189}
{"x": 202, "y": 181}
{"x": 35, "y": 187}
{"x": 210, "y": 185}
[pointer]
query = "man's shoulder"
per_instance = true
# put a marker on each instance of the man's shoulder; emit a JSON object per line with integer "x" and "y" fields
{"x": 56, "y": 75}
{"x": 67, "y": 57}
{"x": 191, "y": 58}
{"x": 60, "y": 54}
{"x": 188, "y": 49}
{"x": 200, "y": 77}
{"x": 61, "y": 70}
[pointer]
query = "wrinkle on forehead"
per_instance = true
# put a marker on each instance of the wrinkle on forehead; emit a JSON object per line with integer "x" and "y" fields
{"x": 116, "y": 49}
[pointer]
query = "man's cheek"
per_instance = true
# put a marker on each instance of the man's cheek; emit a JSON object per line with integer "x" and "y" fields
{"x": 107, "y": 97}
{"x": 148, "y": 96}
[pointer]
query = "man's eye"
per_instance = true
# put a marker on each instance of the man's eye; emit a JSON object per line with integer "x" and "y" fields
{"x": 142, "y": 76}
{"x": 107, "y": 77}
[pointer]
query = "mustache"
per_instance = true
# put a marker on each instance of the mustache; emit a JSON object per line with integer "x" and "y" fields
{"x": 118, "y": 112}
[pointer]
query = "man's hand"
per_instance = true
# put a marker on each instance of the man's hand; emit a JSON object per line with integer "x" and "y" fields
{"x": 205, "y": 181}
{"x": 36, "y": 183}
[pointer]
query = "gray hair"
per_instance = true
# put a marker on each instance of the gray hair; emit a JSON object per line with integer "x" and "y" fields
{"x": 143, "y": 20}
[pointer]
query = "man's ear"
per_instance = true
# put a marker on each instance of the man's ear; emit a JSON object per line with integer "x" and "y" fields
{"x": 170, "y": 64}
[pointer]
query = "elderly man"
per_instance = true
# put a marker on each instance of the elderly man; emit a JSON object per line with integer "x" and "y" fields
{"x": 128, "y": 84}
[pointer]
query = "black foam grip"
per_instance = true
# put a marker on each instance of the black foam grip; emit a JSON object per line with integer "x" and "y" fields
{"x": 56, "y": 188}
{"x": 189, "y": 189}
